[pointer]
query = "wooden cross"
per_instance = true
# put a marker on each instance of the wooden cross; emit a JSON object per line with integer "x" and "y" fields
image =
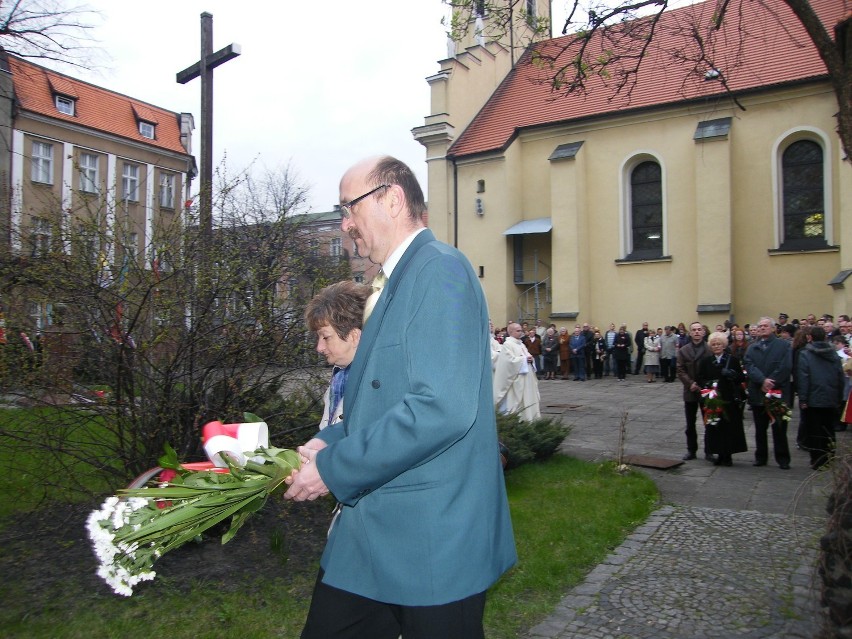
{"x": 204, "y": 69}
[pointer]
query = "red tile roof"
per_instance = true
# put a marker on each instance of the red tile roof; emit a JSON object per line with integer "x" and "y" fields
{"x": 776, "y": 50}
{"x": 95, "y": 108}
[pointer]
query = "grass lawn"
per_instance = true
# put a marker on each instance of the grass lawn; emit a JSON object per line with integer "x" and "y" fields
{"x": 568, "y": 515}
{"x": 51, "y": 465}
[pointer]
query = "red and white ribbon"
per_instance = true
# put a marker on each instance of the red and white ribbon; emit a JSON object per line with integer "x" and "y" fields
{"x": 235, "y": 440}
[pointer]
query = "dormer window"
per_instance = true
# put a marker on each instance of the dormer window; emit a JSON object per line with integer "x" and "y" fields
{"x": 146, "y": 129}
{"x": 65, "y": 104}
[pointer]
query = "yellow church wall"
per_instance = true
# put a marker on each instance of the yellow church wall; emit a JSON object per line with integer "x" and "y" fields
{"x": 439, "y": 194}
{"x": 585, "y": 199}
{"x": 481, "y": 236}
{"x": 474, "y": 76}
{"x": 719, "y": 212}
{"x": 766, "y": 282}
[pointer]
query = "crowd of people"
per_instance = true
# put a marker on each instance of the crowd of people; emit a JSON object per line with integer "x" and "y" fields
{"x": 589, "y": 352}
{"x": 765, "y": 367}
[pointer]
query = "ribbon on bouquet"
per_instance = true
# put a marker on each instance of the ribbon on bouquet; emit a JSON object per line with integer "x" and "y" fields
{"x": 235, "y": 440}
{"x": 774, "y": 394}
{"x": 709, "y": 393}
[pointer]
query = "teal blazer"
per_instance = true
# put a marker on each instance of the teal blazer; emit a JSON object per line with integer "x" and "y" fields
{"x": 415, "y": 463}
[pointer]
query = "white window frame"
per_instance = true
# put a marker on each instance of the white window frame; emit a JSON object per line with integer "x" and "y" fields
{"x": 147, "y": 130}
{"x": 89, "y": 172}
{"x": 132, "y": 247}
{"x": 130, "y": 182}
{"x": 87, "y": 241}
{"x": 336, "y": 247}
{"x": 42, "y": 162}
{"x": 66, "y": 105}
{"x": 167, "y": 190}
{"x": 626, "y": 227}
{"x": 41, "y": 315}
{"x": 40, "y": 236}
{"x": 784, "y": 140}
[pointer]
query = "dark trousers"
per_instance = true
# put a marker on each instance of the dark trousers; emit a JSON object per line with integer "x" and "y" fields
{"x": 819, "y": 433}
{"x": 337, "y": 614}
{"x": 578, "y": 363}
{"x": 779, "y": 437}
{"x": 597, "y": 366}
{"x": 668, "y": 368}
{"x": 690, "y": 410}
{"x": 621, "y": 366}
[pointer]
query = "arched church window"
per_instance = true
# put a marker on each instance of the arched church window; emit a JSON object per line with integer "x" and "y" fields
{"x": 646, "y": 211}
{"x": 803, "y": 196}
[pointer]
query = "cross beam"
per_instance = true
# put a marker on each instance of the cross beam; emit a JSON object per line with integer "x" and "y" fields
{"x": 213, "y": 60}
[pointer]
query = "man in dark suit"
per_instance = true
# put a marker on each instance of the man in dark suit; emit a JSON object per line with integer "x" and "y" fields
{"x": 423, "y": 526}
{"x": 768, "y": 363}
{"x": 639, "y": 339}
{"x": 688, "y": 357}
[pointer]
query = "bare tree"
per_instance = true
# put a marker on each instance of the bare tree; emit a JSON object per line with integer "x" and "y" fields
{"x": 130, "y": 358}
{"x": 47, "y": 30}
{"x": 611, "y": 41}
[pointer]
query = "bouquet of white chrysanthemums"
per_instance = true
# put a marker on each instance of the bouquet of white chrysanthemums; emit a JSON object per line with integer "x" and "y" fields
{"x": 139, "y": 525}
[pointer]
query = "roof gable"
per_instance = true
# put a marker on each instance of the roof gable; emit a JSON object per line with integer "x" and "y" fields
{"x": 95, "y": 108}
{"x": 775, "y": 51}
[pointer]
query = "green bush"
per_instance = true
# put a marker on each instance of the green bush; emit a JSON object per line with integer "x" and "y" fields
{"x": 529, "y": 441}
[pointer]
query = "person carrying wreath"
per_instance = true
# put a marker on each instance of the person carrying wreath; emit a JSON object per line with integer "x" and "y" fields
{"x": 721, "y": 374}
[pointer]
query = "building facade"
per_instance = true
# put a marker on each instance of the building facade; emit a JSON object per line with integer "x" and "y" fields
{"x": 330, "y": 242}
{"x": 87, "y": 169}
{"x": 722, "y": 194}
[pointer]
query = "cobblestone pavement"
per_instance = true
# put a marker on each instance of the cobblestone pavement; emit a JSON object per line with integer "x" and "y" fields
{"x": 730, "y": 553}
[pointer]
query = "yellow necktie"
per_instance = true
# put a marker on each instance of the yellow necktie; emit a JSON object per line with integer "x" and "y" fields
{"x": 378, "y": 284}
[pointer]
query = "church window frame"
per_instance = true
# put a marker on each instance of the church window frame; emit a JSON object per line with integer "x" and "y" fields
{"x": 802, "y": 189}
{"x": 643, "y": 190}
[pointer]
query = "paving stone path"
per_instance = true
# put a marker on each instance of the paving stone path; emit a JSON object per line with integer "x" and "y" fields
{"x": 732, "y": 551}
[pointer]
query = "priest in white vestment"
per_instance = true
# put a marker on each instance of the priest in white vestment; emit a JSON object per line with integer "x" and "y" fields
{"x": 515, "y": 383}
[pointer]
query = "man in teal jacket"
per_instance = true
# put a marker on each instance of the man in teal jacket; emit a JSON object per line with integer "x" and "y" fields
{"x": 424, "y": 527}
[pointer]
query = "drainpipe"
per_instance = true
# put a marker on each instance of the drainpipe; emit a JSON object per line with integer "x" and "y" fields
{"x": 455, "y": 203}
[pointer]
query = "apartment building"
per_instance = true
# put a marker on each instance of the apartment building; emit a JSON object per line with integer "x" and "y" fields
{"x": 83, "y": 168}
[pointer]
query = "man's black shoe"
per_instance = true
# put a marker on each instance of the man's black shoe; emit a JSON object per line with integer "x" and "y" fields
{"x": 759, "y": 463}
{"x": 688, "y": 456}
{"x": 784, "y": 466}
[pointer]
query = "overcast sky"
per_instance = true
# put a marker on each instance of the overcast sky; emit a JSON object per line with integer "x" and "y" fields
{"x": 318, "y": 85}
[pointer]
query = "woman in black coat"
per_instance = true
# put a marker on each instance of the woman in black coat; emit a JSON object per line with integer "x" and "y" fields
{"x": 727, "y": 436}
{"x": 621, "y": 353}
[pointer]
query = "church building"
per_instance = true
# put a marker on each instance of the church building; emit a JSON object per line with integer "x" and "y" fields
{"x": 710, "y": 185}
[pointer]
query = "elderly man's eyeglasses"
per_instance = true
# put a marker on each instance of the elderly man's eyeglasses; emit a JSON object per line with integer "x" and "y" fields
{"x": 346, "y": 209}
